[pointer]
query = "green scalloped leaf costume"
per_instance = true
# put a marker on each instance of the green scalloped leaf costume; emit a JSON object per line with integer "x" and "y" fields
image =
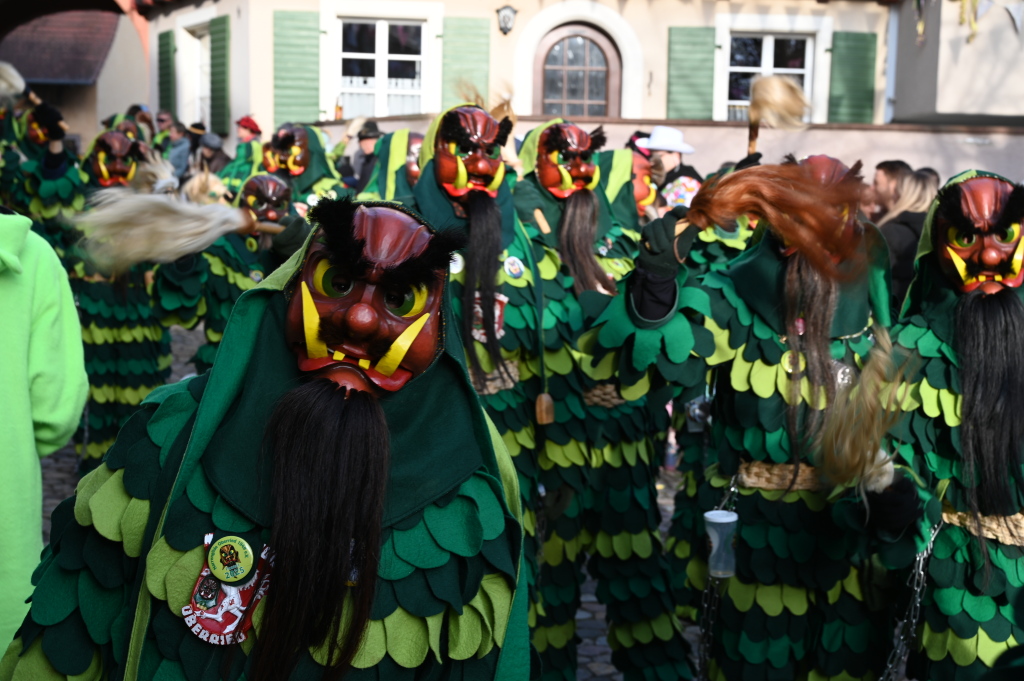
{"x": 597, "y": 461}
{"x": 508, "y": 403}
{"x": 246, "y": 163}
{"x": 127, "y": 548}
{"x": 968, "y": 615}
{"x": 795, "y": 609}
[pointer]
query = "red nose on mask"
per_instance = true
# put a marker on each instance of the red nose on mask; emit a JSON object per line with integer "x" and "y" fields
{"x": 272, "y": 215}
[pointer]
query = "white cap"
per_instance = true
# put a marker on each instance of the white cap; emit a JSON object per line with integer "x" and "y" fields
{"x": 664, "y": 138}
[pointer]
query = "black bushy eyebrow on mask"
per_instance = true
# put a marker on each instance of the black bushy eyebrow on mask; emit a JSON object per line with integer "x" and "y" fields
{"x": 504, "y": 130}
{"x": 951, "y": 209}
{"x": 423, "y": 269}
{"x": 337, "y": 221}
{"x": 1013, "y": 213}
{"x": 597, "y": 139}
{"x": 452, "y": 130}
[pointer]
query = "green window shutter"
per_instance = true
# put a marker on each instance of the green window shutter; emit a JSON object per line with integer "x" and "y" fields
{"x": 691, "y": 72}
{"x": 220, "y": 70}
{"x": 851, "y": 97}
{"x": 466, "y": 58}
{"x": 165, "y": 72}
{"x": 296, "y": 67}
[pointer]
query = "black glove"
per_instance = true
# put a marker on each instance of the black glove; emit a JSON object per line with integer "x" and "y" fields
{"x": 896, "y": 507}
{"x": 749, "y": 162}
{"x": 49, "y": 120}
{"x": 292, "y": 238}
{"x": 660, "y": 248}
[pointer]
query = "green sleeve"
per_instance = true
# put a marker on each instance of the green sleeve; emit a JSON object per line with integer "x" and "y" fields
{"x": 57, "y": 378}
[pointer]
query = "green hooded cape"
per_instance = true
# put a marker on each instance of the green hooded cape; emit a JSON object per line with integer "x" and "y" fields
{"x": 128, "y": 547}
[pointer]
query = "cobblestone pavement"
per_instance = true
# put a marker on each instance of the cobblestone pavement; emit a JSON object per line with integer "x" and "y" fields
{"x": 60, "y": 478}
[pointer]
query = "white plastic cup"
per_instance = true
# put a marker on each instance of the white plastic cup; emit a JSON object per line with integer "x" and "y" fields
{"x": 721, "y": 527}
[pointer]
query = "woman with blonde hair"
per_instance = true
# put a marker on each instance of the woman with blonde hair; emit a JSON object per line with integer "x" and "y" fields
{"x": 901, "y": 226}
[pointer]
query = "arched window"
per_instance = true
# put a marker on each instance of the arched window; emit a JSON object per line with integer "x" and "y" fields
{"x": 577, "y": 73}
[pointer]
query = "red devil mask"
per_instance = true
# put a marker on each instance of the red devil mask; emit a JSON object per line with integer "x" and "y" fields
{"x": 412, "y": 158}
{"x": 565, "y": 159}
{"x": 115, "y": 158}
{"x": 467, "y": 153}
{"x": 977, "y": 234}
{"x": 644, "y": 191}
{"x": 288, "y": 151}
{"x": 267, "y": 197}
{"x": 365, "y": 311}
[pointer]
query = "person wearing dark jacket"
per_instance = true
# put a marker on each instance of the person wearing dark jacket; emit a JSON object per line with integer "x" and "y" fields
{"x": 368, "y": 137}
{"x": 901, "y": 226}
{"x": 211, "y": 153}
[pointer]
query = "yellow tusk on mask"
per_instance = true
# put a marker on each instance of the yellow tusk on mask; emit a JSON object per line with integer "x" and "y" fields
{"x": 388, "y": 364}
{"x": 651, "y": 196}
{"x": 101, "y": 157}
{"x": 961, "y": 266}
{"x": 315, "y": 348}
{"x": 566, "y": 179}
{"x": 499, "y": 177}
{"x": 461, "y": 177}
{"x": 1018, "y": 257}
{"x": 594, "y": 180}
{"x": 131, "y": 171}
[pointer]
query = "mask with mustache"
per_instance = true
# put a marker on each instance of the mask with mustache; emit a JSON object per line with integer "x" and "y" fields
{"x": 363, "y": 321}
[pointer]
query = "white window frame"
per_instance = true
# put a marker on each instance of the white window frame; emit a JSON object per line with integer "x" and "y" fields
{"x": 817, "y": 29}
{"x": 767, "y": 66}
{"x": 431, "y": 14}
{"x": 381, "y": 58}
{"x": 188, "y": 28}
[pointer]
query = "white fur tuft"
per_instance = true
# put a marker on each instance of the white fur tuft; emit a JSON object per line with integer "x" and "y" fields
{"x": 124, "y": 228}
{"x": 12, "y": 85}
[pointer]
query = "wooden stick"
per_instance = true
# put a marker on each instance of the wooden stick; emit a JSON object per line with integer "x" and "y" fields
{"x": 755, "y": 127}
{"x": 269, "y": 228}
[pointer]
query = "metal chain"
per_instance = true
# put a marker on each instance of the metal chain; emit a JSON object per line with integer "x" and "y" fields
{"x": 709, "y": 603}
{"x": 906, "y": 628}
{"x": 711, "y": 598}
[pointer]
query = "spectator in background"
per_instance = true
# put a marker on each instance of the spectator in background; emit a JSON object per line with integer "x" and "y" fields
{"x": 887, "y": 178}
{"x": 677, "y": 182}
{"x": 367, "y": 137}
{"x": 932, "y": 172}
{"x": 162, "y": 140}
{"x": 195, "y": 133}
{"x": 42, "y": 376}
{"x": 179, "y": 149}
{"x": 902, "y": 226}
{"x": 211, "y": 153}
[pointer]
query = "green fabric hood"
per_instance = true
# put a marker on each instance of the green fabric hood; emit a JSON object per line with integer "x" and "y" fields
{"x": 439, "y": 435}
{"x": 930, "y": 288}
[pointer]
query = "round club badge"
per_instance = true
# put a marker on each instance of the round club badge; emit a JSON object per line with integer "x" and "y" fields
{"x": 230, "y": 559}
{"x": 458, "y": 263}
{"x": 514, "y": 267}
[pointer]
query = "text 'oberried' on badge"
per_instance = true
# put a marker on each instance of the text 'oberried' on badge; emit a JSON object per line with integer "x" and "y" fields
{"x": 220, "y": 612}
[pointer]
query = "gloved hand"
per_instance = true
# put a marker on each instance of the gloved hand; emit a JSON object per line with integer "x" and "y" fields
{"x": 660, "y": 248}
{"x": 749, "y": 161}
{"x": 296, "y": 230}
{"x": 49, "y": 120}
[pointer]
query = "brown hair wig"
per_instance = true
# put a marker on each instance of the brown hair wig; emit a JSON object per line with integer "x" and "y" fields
{"x": 805, "y": 214}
